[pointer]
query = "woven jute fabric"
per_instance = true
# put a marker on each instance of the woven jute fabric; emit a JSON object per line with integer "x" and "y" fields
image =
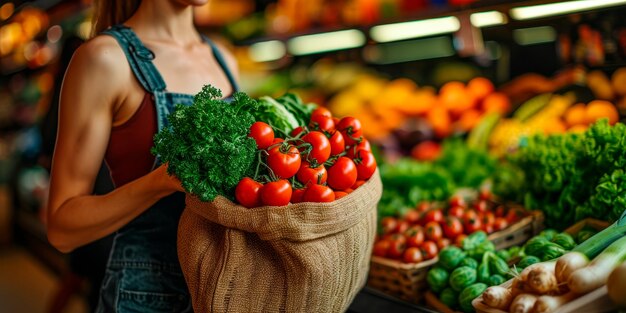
{"x": 305, "y": 257}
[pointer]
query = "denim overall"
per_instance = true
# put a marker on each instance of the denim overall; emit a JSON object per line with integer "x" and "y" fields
{"x": 143, "y": 273}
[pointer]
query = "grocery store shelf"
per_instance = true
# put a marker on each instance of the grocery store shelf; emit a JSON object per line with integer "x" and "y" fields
{"x": 33, "y": 234}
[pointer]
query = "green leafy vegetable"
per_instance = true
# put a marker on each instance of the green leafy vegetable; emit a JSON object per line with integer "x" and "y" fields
{"x": 207, "y": 145}
{"x": 276, "y": 115}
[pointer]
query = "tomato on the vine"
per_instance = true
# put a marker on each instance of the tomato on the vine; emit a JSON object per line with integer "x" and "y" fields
{"x": 277, "y": 193}
{"x": 320, "y": 111}
{"x": 350, "y": 128}
{"x": 442, "y": 243}
{"x": 514, "y": 215}
{"x": 402, "y": 226}
{"x": 308, "y": 175}
{"x": 500, "y": 211}
{"x": 412, "y": 255}
{"x": 263, "y": 134}
{"x": 296, "y": 195}
{"x": 488, "y": 218}
{"x": 472, "y": 225}
{"x": 388, "y": 224}
{"x": 457, "y": 201}
{"x": 340, "y": 194}
{"x": 397, "y": 248}
{"x": 415, "y": 236}
{"x": 320, "y": 146}
{"x": 433, "y": 231}
{"x": 277, "y": 140}
{"x": 412, "y": 216}
{"x": 284, "y": 160}
{"x": 322, "y": 123}
{"x": 481, "y": 206}
{"x": 365, "y": 164}
{"x": 297, "y": 131}
{"x": 452, "y": 227}
{"x": 456, "y": 211}
{"x": 318, "y": 193}
{"x": 358, "y": 183}
{"x": 247, "y": 192}
{"x": 337, "y": 143}
{"x": 342, "y": 175}
{"x": 429, "y": 250}
{"x": 500, "y": 223}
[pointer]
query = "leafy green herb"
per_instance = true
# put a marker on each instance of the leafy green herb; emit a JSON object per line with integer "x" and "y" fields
{"x": 207, "y": 145}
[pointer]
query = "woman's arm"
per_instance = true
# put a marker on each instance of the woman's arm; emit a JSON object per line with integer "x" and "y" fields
{"x": 97, "y": 81}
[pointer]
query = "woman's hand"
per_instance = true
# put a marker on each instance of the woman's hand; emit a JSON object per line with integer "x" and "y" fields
{"x": 170, "y": 182}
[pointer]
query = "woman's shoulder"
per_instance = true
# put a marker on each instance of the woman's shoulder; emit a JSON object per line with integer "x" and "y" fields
{"x": 101, "y": 57}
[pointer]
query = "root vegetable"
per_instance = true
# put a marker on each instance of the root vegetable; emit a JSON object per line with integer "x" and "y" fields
{"x": 597, "y": 272}
{"x": 541, "y": 280}
{"x": 616, "y": 285}
{"x": 546, "y": 304}
{"x": 547, "y": 266}
{"x": 569, "y": 263}
{"x": 523, "y": 303}
{"x": 498, "y": 297}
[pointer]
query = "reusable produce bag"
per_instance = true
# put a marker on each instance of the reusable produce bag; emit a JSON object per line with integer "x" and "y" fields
{"x": 304, "y": 257}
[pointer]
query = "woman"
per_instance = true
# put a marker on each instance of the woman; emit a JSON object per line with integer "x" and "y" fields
{"x": 117, "y": 92}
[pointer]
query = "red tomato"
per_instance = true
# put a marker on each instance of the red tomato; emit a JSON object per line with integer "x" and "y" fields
{"x": 309, "y": 175}
{"x": 396, "y": 237}
{"x": 488, "y": 228}
{"x": 488, "y": 218}
{"x": 337, "y": 143}
{"x": 388, "y": 224}
{"x": 456, "y": 211}
{"x": 340, "y": 194}
{"x": 412, "y": 255}
{"x": 469, "y": 215}
{"x": 342, "y": 175}
{"x": 412, "y": 216}
{"x": 429, "y": 250}
{"x": 322, "y": 123}
{"x": 500, "y": 211}
{"x": 351, "y": 151}
{"x": 296, "y": 195}
{"x": 284, "y": 160}
{"x": 472, "y": 225}
{"x": 365, "y": 164}
{"x": 276, "y": 193}
{"x": 500, "y": 224}
{"x": 457, "y": 201}
{"x": 320, "y": 111}
{"x": 381, "y": 247}
{"x": 442, "y": 243}
{"x": 318, "y": 193}
{"x": 433, "y": 216}
{"x": 277, "y": 140}
{"x": 514, "y": 215}
{"x": 402, "y": 227}
{"x": 297, "y": 131}
{"x": 458, "y": 241}
{"x": 357, "y": 184}
{"x": 415, "y": 236}
{"x": 320, "y": 146}
{"x": 351, "y": 130}
{"x": 247, "y": 192}
{"x": 481, "y": 206}
{"x": 262, "y": 133}
{"x": 485, "y": 194}
{"x": 397, "y": 249}
{"x": 348, "y": 191}
{"x": 423, "y": 207}
{"x": 452, "y": 227}
{"x": 433, "y": 231}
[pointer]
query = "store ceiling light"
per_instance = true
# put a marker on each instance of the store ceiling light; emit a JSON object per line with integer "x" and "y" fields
{"x": 415, "y": 29}
{"x": 324, "y": 42}
{"x": 534, "y": 35}
{"x": 489, "y": 18}
{"x": 560, "y": 8}
{"x": 267, "y": 51}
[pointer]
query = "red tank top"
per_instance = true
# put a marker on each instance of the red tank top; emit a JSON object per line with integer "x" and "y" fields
{"x": 128, "y": 154}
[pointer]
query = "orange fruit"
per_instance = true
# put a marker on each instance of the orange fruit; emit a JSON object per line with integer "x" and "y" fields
{"x": 598, "y": 109}
{"x": 480, "y": 87}
{"x": 456, "y": 98}
{"x": 497, "y": 102}
{"x": 439, "y": 118}
{"x": 576, "y": 115}
{"x": 577, "y": 129}
{"x": 419, "y": 103}
{"x": 554, "y": 126}
{"x": 469, "y": 119}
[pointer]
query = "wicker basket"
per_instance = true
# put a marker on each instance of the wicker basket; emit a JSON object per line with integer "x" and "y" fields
{"x": 408, "y": 281}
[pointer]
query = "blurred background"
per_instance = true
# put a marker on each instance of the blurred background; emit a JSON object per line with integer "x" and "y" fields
{"x": 415, "y": 72}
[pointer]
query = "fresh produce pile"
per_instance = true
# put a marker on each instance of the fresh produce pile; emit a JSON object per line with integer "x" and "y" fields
{"x": 462, "y": 274}
{"x": 576, "y": 175}
{"x": 424, "y": 231}
{"x": 544, "y": 287}
{"x": 268, "y": 152}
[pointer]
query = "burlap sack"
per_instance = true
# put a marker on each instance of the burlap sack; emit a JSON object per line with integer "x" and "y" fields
{"x": 306, "y": 257}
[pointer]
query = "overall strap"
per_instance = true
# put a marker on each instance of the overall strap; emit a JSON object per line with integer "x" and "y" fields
{"x": 222, "y": 62}
{"x": 139, "y": 57}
